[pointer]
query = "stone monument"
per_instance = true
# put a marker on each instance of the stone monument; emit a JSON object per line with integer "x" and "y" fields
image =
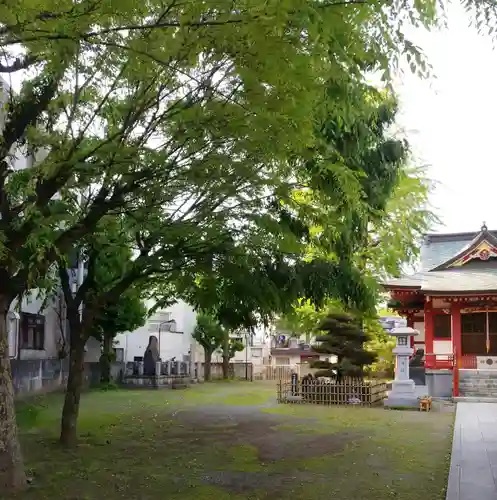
{"x": 403, "y": 393}
{"x": 151, "y": 357}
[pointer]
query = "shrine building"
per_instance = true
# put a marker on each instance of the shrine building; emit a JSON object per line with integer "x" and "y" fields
{"x": 452, "y": 301}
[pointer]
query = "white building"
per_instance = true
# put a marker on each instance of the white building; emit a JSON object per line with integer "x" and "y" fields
{"x": 173, "y": 328}
{"x": 254, "y": 351}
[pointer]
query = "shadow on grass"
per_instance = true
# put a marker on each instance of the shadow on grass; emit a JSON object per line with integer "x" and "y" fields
{"x": 217, "y": 441}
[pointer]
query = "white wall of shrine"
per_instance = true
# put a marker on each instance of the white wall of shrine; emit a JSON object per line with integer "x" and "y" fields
{"x": 442, "y": 346}
{"x": 419, "y": 340}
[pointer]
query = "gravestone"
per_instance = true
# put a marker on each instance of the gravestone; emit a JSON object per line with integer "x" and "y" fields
{"x": 151, "y": 357}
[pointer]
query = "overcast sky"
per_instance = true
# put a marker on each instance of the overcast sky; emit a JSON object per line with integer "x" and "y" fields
{"x": 450, "y": 122}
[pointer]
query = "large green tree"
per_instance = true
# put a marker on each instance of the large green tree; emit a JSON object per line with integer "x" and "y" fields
{"x": 122, "y": 99}
{"x": 210, "y": 334}
{"x": 124, "y": 315}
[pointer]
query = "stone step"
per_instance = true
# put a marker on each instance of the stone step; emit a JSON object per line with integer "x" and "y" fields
{"x": 475, "y": 399}
{"x": 480, "y": 381}
{"x": 479, "y": 395}
{"x": 476, "y": 386}
{"x": 478, "y": 389}
{"x": 478, "y": 378}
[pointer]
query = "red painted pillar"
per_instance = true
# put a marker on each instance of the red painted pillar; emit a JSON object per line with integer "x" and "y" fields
{"x": 456, "y": 343}
{"x": 429, "y": 334}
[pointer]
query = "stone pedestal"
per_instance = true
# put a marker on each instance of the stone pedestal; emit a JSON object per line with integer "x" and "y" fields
{"x": 403, "y": 393}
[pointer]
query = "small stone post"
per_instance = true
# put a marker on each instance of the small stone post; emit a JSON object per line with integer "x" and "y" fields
{"x": 167, "y": 369}
{"x": 403, "y": 393}
{"x": 158, "y": 368}
{"x": 140, "y": 368}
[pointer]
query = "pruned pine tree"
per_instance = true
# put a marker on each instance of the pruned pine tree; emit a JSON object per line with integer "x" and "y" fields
{"x": 344, "y": 341}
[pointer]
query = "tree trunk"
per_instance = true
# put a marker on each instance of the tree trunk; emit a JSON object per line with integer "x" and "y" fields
{"x": 226, "y": 356}
{"x": 68, "y": 434}
{"x": 207, "y": 365}
{"x": 12, "y": 475}
{"x": 105, "y": 359}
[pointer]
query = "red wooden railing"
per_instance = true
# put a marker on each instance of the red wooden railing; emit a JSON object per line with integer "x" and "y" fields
{"x": 468, "y": 362}
{"x": 439, "y": 361}
{"x": 448, "y": 362}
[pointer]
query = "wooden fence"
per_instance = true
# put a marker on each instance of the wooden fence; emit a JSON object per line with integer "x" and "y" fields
{"x": 277, "y": 373}
{"x": 347, "y": 391}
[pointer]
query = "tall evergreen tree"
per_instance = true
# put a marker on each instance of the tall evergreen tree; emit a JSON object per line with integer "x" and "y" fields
{"x": 344, "y": 339}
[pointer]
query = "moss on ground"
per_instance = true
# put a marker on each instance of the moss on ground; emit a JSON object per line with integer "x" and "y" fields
{"x": 220, "y": 441}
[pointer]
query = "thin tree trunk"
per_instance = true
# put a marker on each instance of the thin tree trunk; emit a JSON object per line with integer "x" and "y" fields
{"x": 207, "y": 365}
{"x": 68, "y": 431}
{"x": 105, "y": 359}
{"x": 12, "y": 475}
{"x": 226, "y": 356}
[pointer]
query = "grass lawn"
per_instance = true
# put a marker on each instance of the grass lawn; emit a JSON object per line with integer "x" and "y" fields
{"x": 231, "y": 441}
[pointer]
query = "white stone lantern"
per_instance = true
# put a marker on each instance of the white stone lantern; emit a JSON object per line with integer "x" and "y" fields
{"x": 403, "y": 393}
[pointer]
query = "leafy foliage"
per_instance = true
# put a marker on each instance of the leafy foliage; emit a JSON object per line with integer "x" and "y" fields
{"x": 345, "y": 339}
{"x": 125, "y": 315}
{"x": 208, "y": 332}
{"x": 302, "y": 319}
{"x": 235, "y": 345}
{"x": 193, "y": 121}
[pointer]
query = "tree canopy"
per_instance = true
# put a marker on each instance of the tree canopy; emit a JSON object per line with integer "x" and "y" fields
{"x": 196, "y": 122}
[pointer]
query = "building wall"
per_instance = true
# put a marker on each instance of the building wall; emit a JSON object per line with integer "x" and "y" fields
{"x": 419, "y": 340}
{"x": 258, "y": 354}
{"x": 172, "y": 344}
{"x": 55, "y": 329}
{"x": 33, "y": 304}
{"x": 442, "y": 346}
{"x": 294, "y": 359}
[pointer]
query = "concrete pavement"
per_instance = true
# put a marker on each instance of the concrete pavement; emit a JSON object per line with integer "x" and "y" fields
{"x": 473, "y": 466}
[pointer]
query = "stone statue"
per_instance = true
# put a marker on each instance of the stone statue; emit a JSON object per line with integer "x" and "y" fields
{"x": 151, "y": 356}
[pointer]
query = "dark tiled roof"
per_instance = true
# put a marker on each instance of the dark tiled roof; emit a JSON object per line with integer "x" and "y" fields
{"x": 463, "y": 279}
{"x": 439, "y": 248}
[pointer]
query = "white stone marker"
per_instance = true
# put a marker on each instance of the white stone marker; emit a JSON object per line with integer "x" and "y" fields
{"x": 403, "y": 393}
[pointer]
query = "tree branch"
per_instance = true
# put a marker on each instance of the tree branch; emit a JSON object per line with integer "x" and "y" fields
{"x": 18, "y": 64}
